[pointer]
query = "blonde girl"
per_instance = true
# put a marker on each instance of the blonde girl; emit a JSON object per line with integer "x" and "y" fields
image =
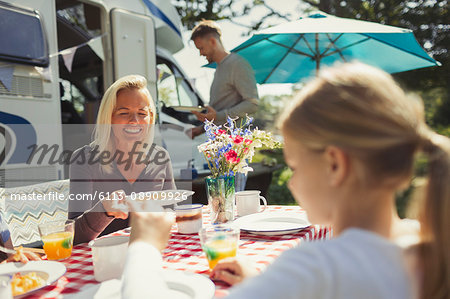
{"x": 351, "y": 136}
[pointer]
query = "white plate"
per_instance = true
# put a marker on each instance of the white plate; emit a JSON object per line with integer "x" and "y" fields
{"x": 50, "y": 271}
{"x": 272, "y": 223}
{"x": 188, "y": 285}
{"x": 164, "y": 197}
{"x": 181, "y": 284}
{"x": 188, "y": 108}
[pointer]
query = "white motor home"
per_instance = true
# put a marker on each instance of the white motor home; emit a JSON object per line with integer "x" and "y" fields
{"x": 57, "y": 57}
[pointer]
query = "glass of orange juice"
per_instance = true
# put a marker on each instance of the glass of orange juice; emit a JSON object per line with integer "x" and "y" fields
{"x": 218, "y": 242}
{"x": 57, "y": 237}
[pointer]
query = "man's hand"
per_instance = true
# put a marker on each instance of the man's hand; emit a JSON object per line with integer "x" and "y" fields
{"x": 116, "y": 206}
{"x": 209, "y": 115}
{"x": 194, "y": 132}
{"x": 233, "y": 270}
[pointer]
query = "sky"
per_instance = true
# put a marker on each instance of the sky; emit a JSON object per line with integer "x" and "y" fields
{"x": 191, "y": 62}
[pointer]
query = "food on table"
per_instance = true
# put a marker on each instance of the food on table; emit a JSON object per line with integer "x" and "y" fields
{"x": 58, "y": 246}
{"x": 17, "y": 256}
{"x": 219, "y": 249}
{"x": 23, "y": 283}
{"x": 189, "y": 217}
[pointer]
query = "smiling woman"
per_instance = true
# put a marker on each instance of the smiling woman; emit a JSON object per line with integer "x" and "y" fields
{"x": 121, "y": 160}
{"x": 131, "y": 117}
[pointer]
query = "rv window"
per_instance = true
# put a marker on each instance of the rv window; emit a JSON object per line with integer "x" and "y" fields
{"x": 22, "y": 36}
{"x": 187, "y": 96}
{"x": 174, "y": 90}
{"x": 167, "y": 87}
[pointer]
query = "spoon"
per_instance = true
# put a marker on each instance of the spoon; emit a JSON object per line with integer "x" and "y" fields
{"x": 6, "y": 250}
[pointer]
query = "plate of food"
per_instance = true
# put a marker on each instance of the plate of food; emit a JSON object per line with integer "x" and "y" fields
{"x": 32, "y": 276}
{"x": 188, "y": 108}
{"x": 272, "y": 223}
{"x": 163, "y": 197}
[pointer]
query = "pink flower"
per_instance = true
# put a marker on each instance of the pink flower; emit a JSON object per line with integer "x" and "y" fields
{"x": 238, "y": 139}
{"x": 231, "y": 154}
{"x": 221, "y": 131}
{"x": 246, "y": 150}
{"x": 232, "y": 157}
{"x": 248, "y": 141}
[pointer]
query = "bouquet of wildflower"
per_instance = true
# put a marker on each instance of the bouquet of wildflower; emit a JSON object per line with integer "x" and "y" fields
{"x": 229, "y": 147}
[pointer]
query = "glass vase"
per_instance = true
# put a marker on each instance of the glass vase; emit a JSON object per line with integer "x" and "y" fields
{"x": 220, "y": 193}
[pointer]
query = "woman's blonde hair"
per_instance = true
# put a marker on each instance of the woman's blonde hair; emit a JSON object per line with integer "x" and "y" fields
{"x": 362, "y": 110}
{"x": 102, "y": 134}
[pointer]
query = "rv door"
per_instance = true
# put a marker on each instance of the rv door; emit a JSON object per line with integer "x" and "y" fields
{"x": 134, "y": 50}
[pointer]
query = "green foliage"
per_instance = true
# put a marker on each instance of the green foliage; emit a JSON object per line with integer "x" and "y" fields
{"x": 402, "y": 201}
{"x": 193, "y": 11}
{"x": 278, "y": 193}
{"x": 269, "y": 108}
{"x": 437, "y": 107}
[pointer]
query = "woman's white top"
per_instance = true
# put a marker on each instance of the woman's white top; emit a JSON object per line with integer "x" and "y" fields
{"x": 356, "y": 264}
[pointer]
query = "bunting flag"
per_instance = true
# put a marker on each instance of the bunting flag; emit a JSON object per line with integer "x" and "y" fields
{"x": 45, "y": 73}
{"x": 97, "y": 46}
{"x": 67, "y": 56}
{"x": 6, "y": 75}
{"x": 7, "y": 70}
{"x": 164, "y": 76}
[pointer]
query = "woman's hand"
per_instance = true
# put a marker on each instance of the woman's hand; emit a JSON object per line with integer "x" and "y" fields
{"x": 233, "y": 270}
{"x": 115, "y": 206}
{"x": 151, "y": 227}
{"x": 22, "y": 256}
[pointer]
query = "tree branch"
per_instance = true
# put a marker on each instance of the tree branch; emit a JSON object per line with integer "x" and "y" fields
{"x": 312, "y": 3}
{"x": 275, "y": 13}
{"x": 240, "y": 24}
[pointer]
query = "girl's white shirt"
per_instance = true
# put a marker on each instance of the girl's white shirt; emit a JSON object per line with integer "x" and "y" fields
{"x": 356, "y": 264}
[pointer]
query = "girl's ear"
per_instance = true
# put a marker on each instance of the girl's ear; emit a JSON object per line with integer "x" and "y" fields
{"x": 338, "y": 165}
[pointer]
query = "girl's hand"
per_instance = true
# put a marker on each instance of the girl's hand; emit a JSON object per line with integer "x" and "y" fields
{"x": 151, "y": 227}
{"x": 233, "y": 270}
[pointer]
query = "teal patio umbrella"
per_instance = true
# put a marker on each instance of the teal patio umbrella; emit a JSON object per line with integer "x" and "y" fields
{"x": 293, "y": 51}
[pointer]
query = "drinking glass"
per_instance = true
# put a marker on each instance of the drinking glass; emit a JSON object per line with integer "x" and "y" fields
{"x": 218, "y": 242}
{"x": 5, "y": 287}
{"x": 57, "y": 237}
{"x": 189, "y": 218}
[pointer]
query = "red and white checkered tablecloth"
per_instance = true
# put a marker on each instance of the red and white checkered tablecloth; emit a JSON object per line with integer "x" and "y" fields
{"x": 184, "y": 253}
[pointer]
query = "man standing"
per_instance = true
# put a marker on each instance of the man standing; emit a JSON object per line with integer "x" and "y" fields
{"x": 233, "y": 90}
